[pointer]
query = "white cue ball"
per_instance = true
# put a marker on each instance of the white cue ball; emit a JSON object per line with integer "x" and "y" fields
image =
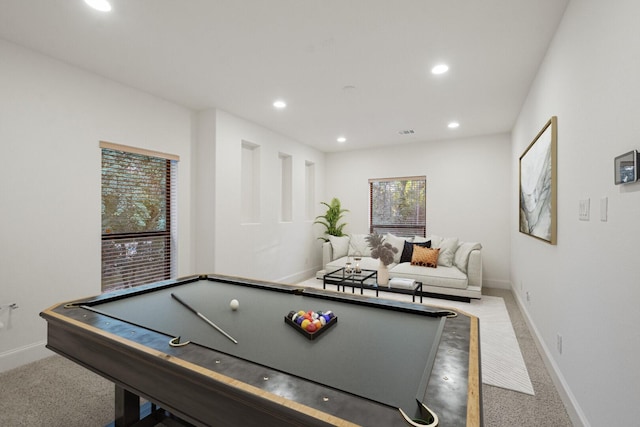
{"x": 234, "y": 304}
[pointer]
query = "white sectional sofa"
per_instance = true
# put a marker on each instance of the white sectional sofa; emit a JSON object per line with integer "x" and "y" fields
{"x": 458, "y": 274}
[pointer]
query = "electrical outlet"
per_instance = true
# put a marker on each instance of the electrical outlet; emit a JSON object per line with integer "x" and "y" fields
{"x": 559, "y": 343}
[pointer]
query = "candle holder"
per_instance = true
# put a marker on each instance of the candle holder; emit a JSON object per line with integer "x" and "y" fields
{"x": 348, "y": 268}
{"x": 357, "y": 257}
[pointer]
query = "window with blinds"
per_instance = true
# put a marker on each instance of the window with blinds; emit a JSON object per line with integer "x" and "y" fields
{"x": 398, "y": 206}
{"x": 138, "y": 216}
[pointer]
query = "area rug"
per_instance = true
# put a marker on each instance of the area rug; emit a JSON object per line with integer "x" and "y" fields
{"x": 502, "y": 362}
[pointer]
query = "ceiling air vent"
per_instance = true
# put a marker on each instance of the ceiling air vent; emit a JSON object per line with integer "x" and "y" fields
{"x": 406, "y": 132}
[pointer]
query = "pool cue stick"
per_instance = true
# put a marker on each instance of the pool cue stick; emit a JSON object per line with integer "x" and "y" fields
{"x": 203, "y": 317}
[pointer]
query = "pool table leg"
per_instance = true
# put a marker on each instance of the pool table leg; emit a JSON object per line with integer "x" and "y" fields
{"x": 127, "y": 408}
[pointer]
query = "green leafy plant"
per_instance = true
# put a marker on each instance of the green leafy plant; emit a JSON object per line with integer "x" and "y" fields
{"x": 331, "y": 218}
{"x": 381, "y": 250}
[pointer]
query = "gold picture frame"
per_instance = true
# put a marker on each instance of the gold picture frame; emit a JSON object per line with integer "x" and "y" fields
{"x": 538, "y": 185}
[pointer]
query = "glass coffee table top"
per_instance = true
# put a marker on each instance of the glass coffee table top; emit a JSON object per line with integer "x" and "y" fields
{"x": 366, "y": 279}
{"x": 345, "y": 277}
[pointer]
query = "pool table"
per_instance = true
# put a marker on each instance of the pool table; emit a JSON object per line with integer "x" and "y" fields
{"x": 179, "y": 345}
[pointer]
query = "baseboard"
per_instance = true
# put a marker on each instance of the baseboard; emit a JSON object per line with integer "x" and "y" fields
{"x": 496, "y": 283}
{"x": 300, "y": 276}
{"x": 21, "y": 356}
{"x": 573, "y": 408}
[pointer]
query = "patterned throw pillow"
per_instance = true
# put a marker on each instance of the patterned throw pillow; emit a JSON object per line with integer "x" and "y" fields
{"x": 426, "y": 257}
{"x": 407, "y": 252}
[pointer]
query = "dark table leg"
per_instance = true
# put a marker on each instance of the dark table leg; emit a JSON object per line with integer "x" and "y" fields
{"x": 417, "y": 289}
{"x": 127, "y": 408}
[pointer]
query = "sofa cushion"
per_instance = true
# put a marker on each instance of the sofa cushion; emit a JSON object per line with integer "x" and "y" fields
{"x": 461, "y": 259}
{"x": 407, "y": 251}
{"x": 435, "y": 240}
{"x": 448, "y": 247}
{"x": 426, "y": 257}
{"x": 358, "y": 245}
{"x": 366, "y": 263}
{"x": 446, "y": 277}
{"x": 398, "y": 243}
{"x": 340, "y": 246}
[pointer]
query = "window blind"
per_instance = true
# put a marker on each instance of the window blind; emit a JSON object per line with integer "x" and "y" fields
{"x": 138, "y": 216}
{"x": 398, "y": 206}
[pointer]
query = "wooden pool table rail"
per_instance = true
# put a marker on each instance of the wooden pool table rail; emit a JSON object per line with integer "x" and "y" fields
{"x": 140, "y": 362}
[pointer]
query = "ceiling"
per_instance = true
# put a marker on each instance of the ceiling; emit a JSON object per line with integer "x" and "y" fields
{"x": 356, "y": 68}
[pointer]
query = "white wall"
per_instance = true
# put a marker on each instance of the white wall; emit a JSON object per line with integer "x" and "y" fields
{"x": 587, "y": 288}
{"x": 268, "y": 249}
{"x": 52, "y": 117}
{"x": 467, "y": 191}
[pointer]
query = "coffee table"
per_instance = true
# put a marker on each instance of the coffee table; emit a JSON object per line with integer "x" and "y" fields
{"x": 342, "y": 277}
{"x": 366, "y": 279}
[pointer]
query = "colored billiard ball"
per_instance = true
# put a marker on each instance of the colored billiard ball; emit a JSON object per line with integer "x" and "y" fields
{"x": 234, "y": 304}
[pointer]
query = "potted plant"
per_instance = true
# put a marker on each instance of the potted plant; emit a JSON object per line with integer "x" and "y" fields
{"x": 384, "y": 252}
{"x": 331, "y": 218}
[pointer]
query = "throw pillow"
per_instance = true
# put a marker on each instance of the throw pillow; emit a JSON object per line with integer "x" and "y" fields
{"x": 425, "y": 257}
{"x": 435, "y": 240}
{"x": 340, "y": 246}
{"x": 396, "y": 242}
{"x": 420, "y": 239}
{"x": 358, "y": 245}
{"x": 448, "y": 247}
{"x": 407, "y": 251}
{"x": 462, "y": 254}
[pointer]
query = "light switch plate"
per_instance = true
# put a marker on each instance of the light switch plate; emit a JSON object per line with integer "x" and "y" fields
{"x": 583, "y": 213}
{"x": 604, "y": 202}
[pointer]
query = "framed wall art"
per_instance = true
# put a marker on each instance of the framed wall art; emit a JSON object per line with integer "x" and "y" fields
{"x": 538, "y": 185}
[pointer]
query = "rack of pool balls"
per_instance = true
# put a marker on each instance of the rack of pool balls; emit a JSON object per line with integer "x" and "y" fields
{"x": 311, "y": 323}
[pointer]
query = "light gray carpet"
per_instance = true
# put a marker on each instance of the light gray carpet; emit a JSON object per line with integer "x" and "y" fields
{"x": 506, "y": 408}
{"x": 55, "y": 392}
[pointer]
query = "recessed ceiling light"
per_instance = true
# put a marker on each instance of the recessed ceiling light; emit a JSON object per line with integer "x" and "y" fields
{"x": 440, "y": 69}
{"x": 341, "y": 139}
{"x": 101, "y": 5}
{"x": 279, "y": 104}
{"x": 453, "y": 125}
